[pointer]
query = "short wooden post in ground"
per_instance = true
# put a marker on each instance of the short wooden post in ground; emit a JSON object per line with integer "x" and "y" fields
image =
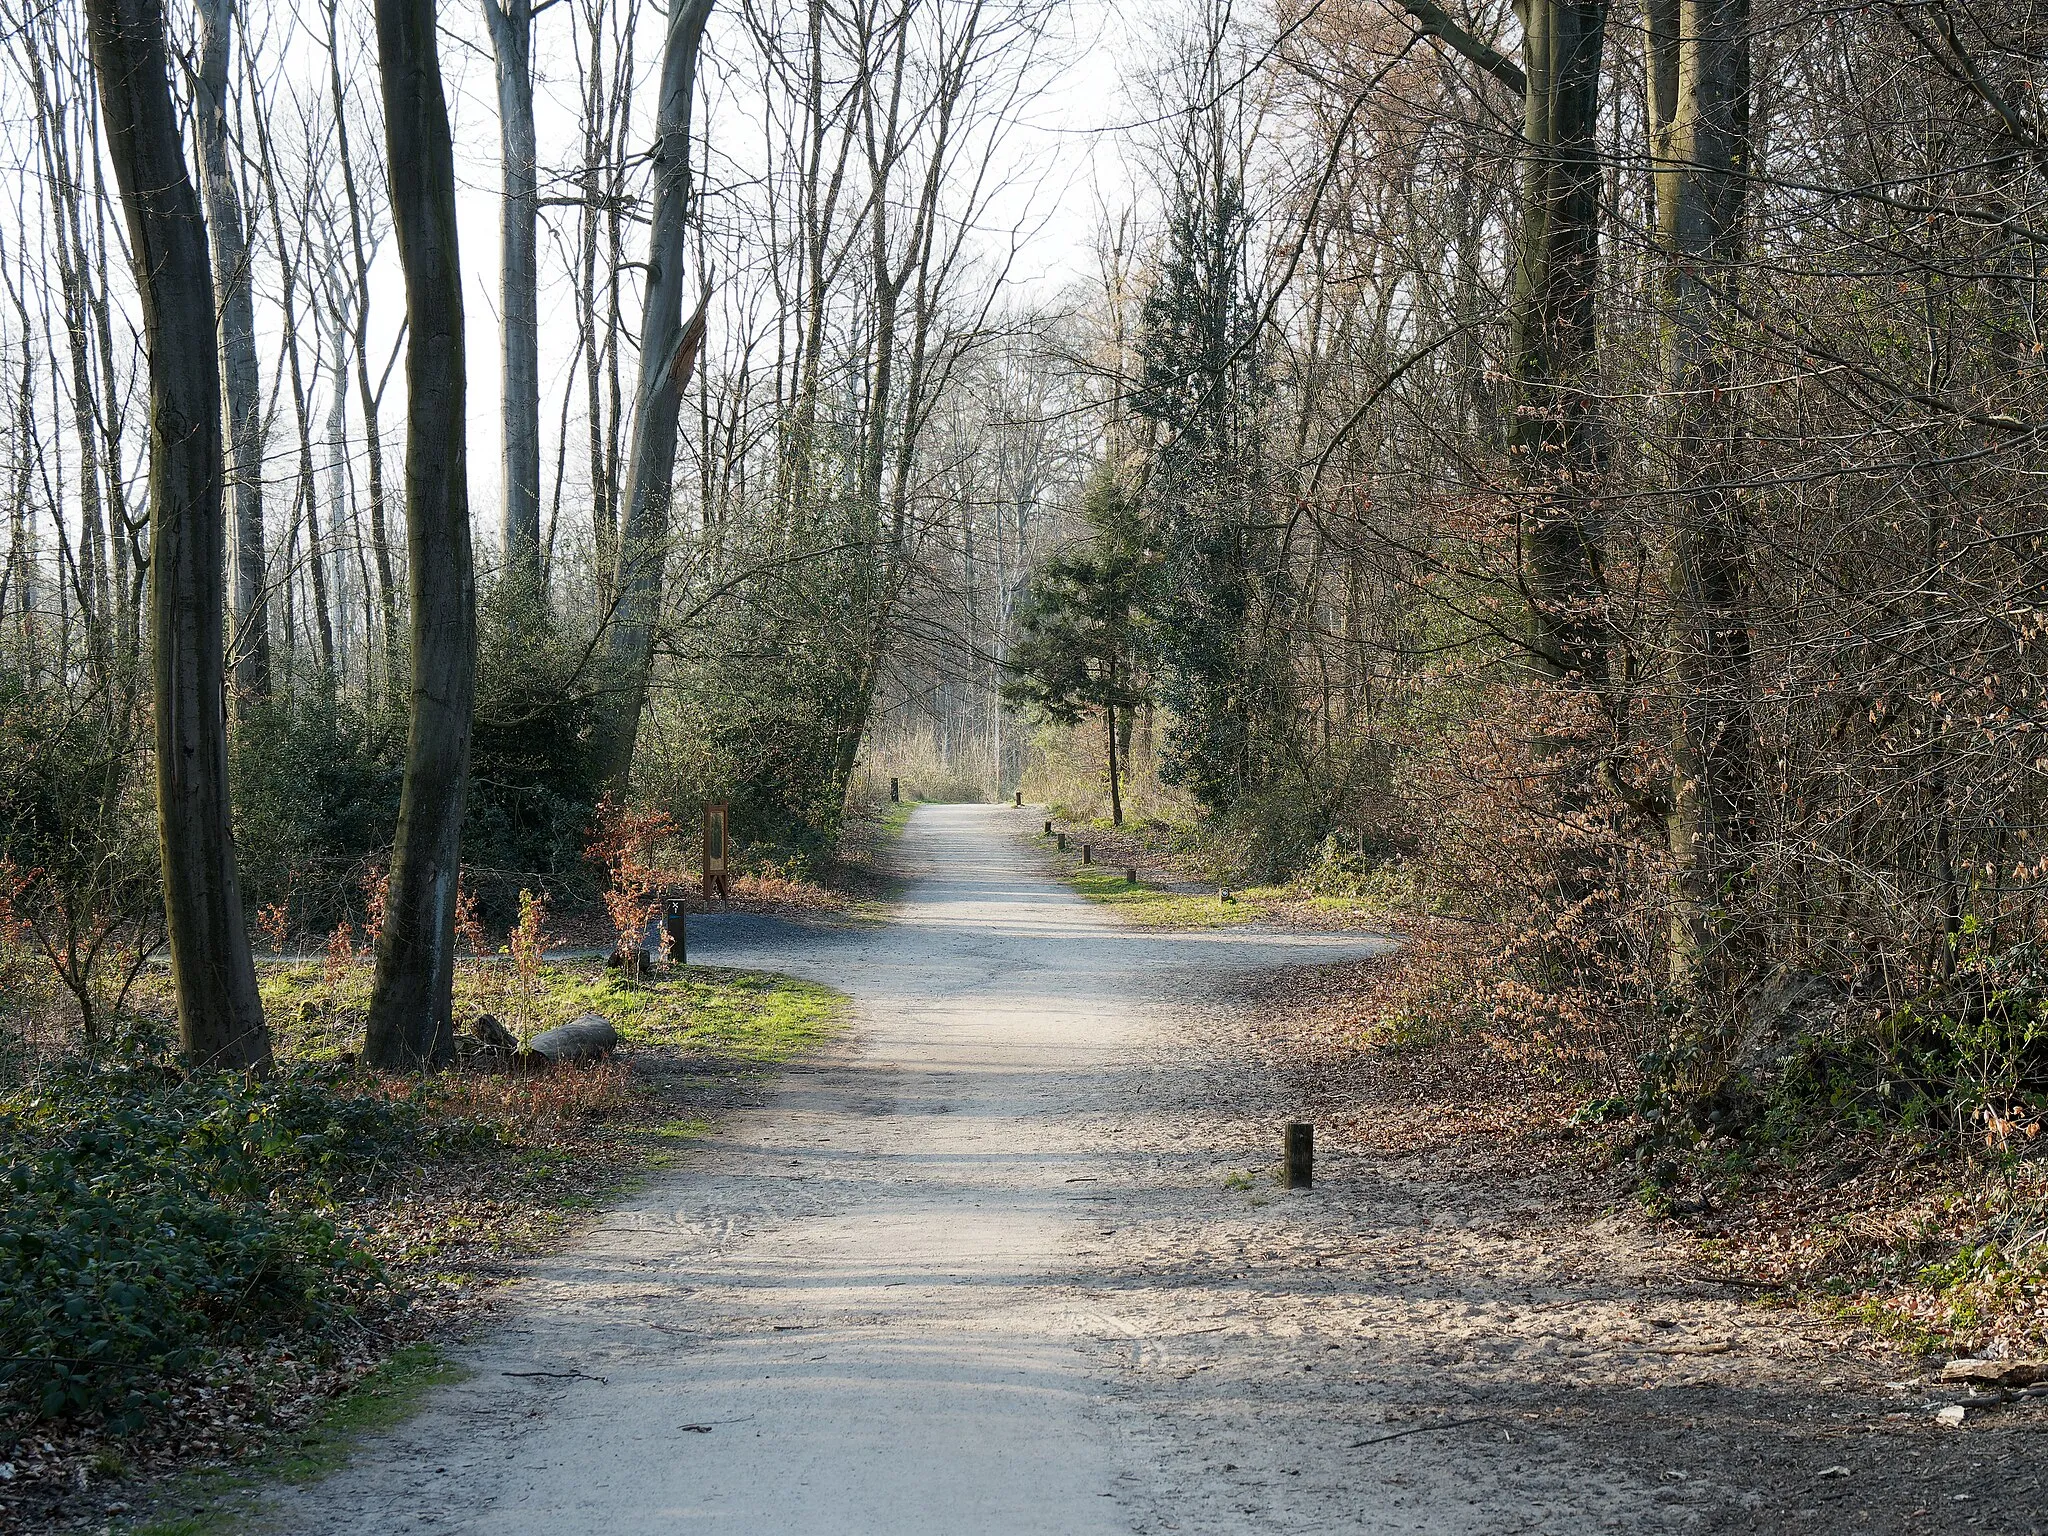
{"x": 1300, "y": 1172}
{"x": 1048, "y": 829}
{"x": 1063, "y": 841}
{"x": 1020, "y": 799}
{"x": 1087, "y": 853}
{"x": 672, "y": 927}
{"x": 1131, "y": 875}
{"x": 895, "y": 791}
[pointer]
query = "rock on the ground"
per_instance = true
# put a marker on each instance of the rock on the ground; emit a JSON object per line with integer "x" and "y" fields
{"x": 587, "y": 1037}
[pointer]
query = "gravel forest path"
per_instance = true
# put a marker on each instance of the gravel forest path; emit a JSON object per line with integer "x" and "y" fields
{"x": 1008, "y": 1259}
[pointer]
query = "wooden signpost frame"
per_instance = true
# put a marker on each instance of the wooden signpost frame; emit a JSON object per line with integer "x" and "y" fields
{"x": 717, "y": 865}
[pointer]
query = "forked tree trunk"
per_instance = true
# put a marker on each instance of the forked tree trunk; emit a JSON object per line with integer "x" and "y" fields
{"x": 220, "y": 1016}
{"x": 1699, "y": 82}
{"x": 240, "y": 371}
{"x": 511, "y": 29}
{"x": 668, "y": 350}
{"x": 411, "y": 1023}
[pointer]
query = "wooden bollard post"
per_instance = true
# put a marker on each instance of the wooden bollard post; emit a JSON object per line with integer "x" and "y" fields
{"x": 672, "y": 925}
{"x": 1063, "y": 841}
{"x": 1048, "y": 829}
{"x": 895, "y": 791}
{"x": 1301, "y": 1155}
{"x": 1087, "y": 853}
{"x": 1131, "y": 875}
{"x": 1020, "y": 799}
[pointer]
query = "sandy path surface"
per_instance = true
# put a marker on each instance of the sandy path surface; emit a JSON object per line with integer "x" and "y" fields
{"x": 855, "y": 1308}
{"x": 1008, "y": 1260}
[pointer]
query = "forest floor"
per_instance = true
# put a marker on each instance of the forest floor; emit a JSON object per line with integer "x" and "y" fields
{"x": 514, "y": 1167}
{"x": 1011, "y": 1258}
{"x": 519, "y": 1164}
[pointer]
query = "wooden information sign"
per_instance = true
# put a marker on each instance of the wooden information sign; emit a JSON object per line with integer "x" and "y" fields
{"x": 717, "y": 852}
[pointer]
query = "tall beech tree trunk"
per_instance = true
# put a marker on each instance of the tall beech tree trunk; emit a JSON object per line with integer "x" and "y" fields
{"x": 240, "y": 372}
{"x": 668, "y": 350}
{"x": 1699, "y": 85}
{"x": 1554, "y": 437}
{"x": 511, "y": 28}
{"x": 411, "y": 1023}
{"x": 220, "y": 1016}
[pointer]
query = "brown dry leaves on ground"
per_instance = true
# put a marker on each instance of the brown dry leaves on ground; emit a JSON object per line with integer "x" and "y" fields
{"x": 1471, "y": 1324}
{"x": 1912, "y": 1238}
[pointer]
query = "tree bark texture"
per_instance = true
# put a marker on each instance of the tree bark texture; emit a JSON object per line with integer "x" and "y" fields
{"x": 220, "y": 1015}
{"x": 1116, "y": 799}
{"x": 511, "y": 28}
{"x": 411, "y": 1007}
{"x": 240, "y": 373}
{"x": 1699, "y": 84}
{"x": 668, "y": 349}
{"x": 1554, "y": 437}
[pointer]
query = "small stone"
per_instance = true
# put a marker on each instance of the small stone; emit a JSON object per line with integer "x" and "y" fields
{"x": 1953, "y": 1414}
{"x": 1833, "y": 1472}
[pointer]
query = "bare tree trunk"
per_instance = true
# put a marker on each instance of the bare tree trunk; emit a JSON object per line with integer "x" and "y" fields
{"x": 373, "y": 440}
{"x": 1116, "y": 799}
{"x": 411, "y": 1006}
{"x": 668, "y": 349}
{"x": 511, "y": 28}
{"x": 338, "y": 489}
{"x": 1557, "y": 273}
{"x": 61, "y": 178}
{"x": 1699, "y": 81}
{"x": 291, "y": 267}
{"x": 220, "y": 1015}
{"x": 240, "y": 373}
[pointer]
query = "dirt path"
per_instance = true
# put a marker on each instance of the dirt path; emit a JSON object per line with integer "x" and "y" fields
{"x": 994, "y": 1266}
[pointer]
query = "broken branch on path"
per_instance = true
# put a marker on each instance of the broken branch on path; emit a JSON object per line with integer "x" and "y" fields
{"x": 1416, "y": 1429}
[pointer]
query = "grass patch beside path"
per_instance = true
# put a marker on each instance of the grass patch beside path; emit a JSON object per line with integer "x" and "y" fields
{"x": 1156, "y": 907}
{"x": 218, "y": 1501}
{"x": 1171, "y": 890}
{"x": 750, "y": 1017}
{"x": 1147, "y": 902}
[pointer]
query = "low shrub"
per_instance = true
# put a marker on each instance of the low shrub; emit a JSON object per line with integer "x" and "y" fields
{"x": 152, "y": 1218}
